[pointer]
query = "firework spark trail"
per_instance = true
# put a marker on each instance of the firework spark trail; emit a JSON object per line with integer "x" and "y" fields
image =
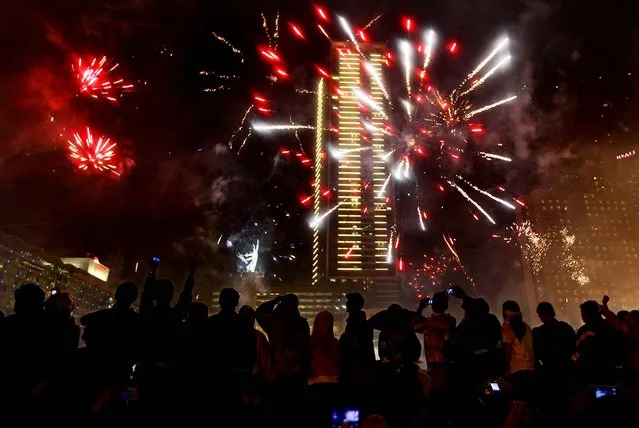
{"x": 489, "y": 106}
{"x": 349, "y": 32}
{"x": 339, "y": 154}
{"x": 494, "y": 156}
{"x": 430, "y": 42}
{"x": 264, "y": 127}
{"x": 383, "y": 189}
{"x": 89, "y": 154}
{"x": 366, "y": 99}
{"x": 483, "y": 192}
{"x": 407, "y": 60}
{"x": 250, "y": 258}
{"x": 229, "y": 44}
{"x": 408, "y": 107}
{"x": 216, "y": 89}
{"x": 465, "y": 195}
{"x": 276, "y": 34}
{"x": 266, "y": 30}
{"x": 94, "y": 80}
{"x": 421, "y": 219}
{"x": 451, "y": 248}
{"x": 248, "y": 135}
{"x": 500, "y": 45}
{"x": 323, "y": 31}
{"x": 389, "y": 250}
{"x": 239, "y": 128}
{"x": 376, "y": 77}
{"x": 485, "y": 77}
{"x": 570, "y": 261}
{"x": 372, "y": 21}
{"x": 318, "y": 219}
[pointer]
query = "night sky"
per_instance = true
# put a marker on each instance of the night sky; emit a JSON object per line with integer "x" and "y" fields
{"x": 575, "y": 68}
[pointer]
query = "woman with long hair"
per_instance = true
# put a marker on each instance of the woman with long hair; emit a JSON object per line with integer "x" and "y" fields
{"x": 517, "y": 339}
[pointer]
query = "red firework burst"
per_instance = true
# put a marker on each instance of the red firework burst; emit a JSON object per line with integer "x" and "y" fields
{"x": 93, "y": 78}
{"x": 90, "y": 155}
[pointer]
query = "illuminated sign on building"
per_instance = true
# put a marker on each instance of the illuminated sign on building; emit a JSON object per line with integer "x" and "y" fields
{"x": 92, "y": 266}
{"x": 626, "y": 155}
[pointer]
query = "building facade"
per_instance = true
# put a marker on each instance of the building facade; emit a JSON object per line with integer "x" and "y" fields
{"x": 351, "y": 246}
{"x": 589, "y": 221}
{"x": 20, "y": 265}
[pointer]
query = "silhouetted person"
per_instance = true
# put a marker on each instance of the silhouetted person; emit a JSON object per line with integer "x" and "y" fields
{"x": 114, "y": 332}
{"x": 597, "y": 344}
{"x": 159, "y": 321}
{"x": 24, "y": 342}
{"x": 517, "y": 339}
{"x": 437, "y": 329}
{"x": 357, "y": 352}
{"x": 629, "y": 329}
{"x": 262, "y": 367}
{"x": 474, "y": 343}
{"x": 231, "y": 337}
{"x": 553, "y": 341}
{"x": 63, "y": 334}
{"x": 394, "y": 323}
{"x": 288, "y": 334}
{"x": 324, "y": 351}
{"x": 622, "y": 315}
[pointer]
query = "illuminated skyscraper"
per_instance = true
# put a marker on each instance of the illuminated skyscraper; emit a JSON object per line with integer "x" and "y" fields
{"x": 351, "y": 246}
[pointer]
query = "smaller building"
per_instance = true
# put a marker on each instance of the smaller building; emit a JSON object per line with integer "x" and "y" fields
{"x": 20, "y": 264}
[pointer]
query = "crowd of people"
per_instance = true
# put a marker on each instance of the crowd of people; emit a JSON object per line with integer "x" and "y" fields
{"x": 243, "y": 367}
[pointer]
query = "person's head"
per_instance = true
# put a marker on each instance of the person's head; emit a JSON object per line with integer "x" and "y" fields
{"x": 510, "y": 308}
{"x": 545, "y": 312}
{"x": 622, "y": 315}
{"x": 323, "y": 324}
{"x": 60, "y": 305}
{"x": 289, "y": 305}
{"x": 475, "y": 307}
{"x": 29, "y": 299}
{"x": 126, "y": 294}
{"x": 354, "y": 302}
{"x": 633, "y": 319}
{"x": 590, "y": 311}
{"x": 163, "y": 292}
{"x": 229, "y": 299}
{"x": 247, "y": 313}
{"x": 440, "y": 302}
{"x": 197, "y": 312}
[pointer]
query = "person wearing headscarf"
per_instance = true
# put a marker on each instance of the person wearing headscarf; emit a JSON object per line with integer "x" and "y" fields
{"x": 517, "y": 339}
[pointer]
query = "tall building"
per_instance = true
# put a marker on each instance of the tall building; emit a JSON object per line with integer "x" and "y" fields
{"x": 20, "y": 264}
{"x": 350, "y": 247}
{"x": 598, "y": 204}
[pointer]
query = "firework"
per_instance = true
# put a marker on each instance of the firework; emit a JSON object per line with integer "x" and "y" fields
{"x": 483, "y": 192}
{"x": 494, "y": 156}
{"x": 421, "y": 219}
{"x": 250, "y": 258}
{"x": 229, "y": 44}
{"x": 490, "y": 106}
{"x": 264, "y": 127}
{"x": 465, "y": 195}
{"x": 315, "y": 222}
{"x": 407, "y": 60}
{"x": 570, "y": 261}
{"x": 90, "y": 155}
{"x": 93, "y": 78}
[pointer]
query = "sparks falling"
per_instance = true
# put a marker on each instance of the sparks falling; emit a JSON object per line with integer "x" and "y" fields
{"x": 93, "y": 78}
{"x": 90, "y": 155}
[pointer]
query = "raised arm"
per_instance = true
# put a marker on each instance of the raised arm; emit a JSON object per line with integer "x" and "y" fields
{"x": 265, "y": 312}
{"x": 186, "y": 296}
{"x": 611, "y": 317}
{"x": 146, "y": 299}
{"x": 420, "y": 323}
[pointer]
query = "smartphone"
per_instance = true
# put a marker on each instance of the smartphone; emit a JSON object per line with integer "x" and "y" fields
{"x": 602, "y": 391}
{"x": 494, "y": 386}
{"x": 449, "y": 291}
{"x": 129, "y": 394}
{"x": 430, "y": 302}
{"x": 348, "y": 416}
{"x": 156, "y": 260}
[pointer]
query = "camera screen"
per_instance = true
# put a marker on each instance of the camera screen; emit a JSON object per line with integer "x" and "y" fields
{"x": 494, "y": 386}
{"x": 346, "y": 416}
{"x": 605, "y": 391}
